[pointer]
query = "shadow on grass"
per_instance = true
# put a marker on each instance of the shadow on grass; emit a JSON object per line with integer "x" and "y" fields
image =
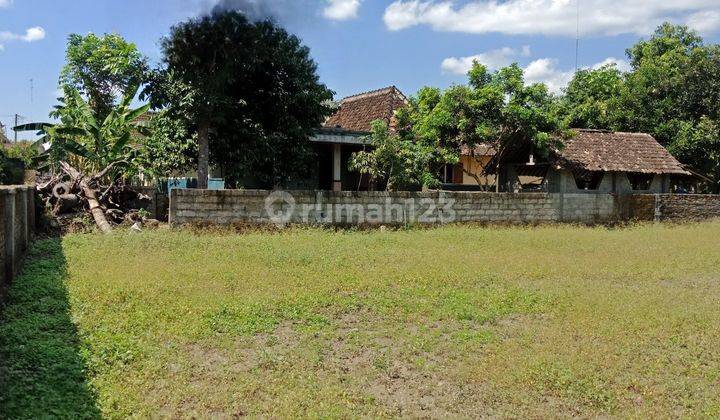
{"x": 42, "y": 373}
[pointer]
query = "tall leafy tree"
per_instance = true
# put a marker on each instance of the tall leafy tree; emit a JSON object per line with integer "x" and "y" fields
{"x": 591, "y": 99}
{"x": 396, "y": 161}
{"x": 248, "y": 91}
{"x": 673, "y": 92}
{"x": 102, "y": 68}
{"x": 496, "y": 109}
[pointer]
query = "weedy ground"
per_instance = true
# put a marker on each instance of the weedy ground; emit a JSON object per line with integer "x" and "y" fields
{"x": 456, "y": 321}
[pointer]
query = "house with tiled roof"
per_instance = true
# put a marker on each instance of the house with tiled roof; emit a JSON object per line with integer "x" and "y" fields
{"x": 346, "y": 132}
{"x": 594, "y": 161}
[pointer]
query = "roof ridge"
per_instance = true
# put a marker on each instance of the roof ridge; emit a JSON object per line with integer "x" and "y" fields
{"x": 372, "y": 93}
{"x": 605, "y": 131}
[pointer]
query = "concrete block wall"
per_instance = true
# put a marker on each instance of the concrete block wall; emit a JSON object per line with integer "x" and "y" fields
{"x": 17, "y": 211}
{"x": 686, "y": 207}
{"x": 189, "y": 206}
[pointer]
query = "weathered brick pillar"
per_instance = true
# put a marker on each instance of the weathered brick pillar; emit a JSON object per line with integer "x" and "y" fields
{"x": 21, "y": 213}
{"x": 31, "y": 210}
{"x": 8, "y": 198}
{"x": 4, "y": 280}
{"x": 172, "y": 205}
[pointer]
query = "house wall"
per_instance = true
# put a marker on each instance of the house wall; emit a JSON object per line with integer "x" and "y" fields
{"x": 475, "y": 166}
{"x": 612, "y": 182}
{"x": 685, "y": 207}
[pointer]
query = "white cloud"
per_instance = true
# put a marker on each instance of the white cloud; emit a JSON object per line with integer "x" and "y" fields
{"x": 33, "y": 34}
{"x": 493, "y": 59}
{"x": 621, "y": 65}
{"x": 705, "y": 21}
{"x": 551, "y": 17}
{"x": 545, "y": 70}
{"x": 342, "y": 9}
{"x": 5, "y": 3}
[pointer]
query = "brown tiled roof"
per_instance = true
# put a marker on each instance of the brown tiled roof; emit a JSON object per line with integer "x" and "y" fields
{"x": 600, "y": 150}
{"x": 481, "y": 149}
{"x": 357, "y": 112}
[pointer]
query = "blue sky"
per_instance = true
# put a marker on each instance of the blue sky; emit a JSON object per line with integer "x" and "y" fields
{"x": 359, "y": 45}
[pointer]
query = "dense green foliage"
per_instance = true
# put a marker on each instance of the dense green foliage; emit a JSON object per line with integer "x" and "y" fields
{"x": 591, "y": 99}
{"x": 91, "y": 143}
{"x": 169, "y": 148}
{"x": 435, "y": 323}
{"x": 27, "y": 152}
{"x": 496, "y": 109}
{"x": 102, "y": 68}
{"x": 250, "y": 90}
{"x": 397, "y": 162}
{"x": 671, "y": 92}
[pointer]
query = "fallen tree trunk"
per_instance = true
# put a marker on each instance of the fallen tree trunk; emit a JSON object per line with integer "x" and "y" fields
{"x": 87, "y": 187}
{"x": 97, "y": 211}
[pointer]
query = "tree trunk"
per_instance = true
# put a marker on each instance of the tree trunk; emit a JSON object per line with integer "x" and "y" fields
{"x": 95, "y": 208}
{"x": 203, "y": 155}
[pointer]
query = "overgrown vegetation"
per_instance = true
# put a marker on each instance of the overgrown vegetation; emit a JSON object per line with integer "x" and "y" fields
{"x": 671, "y": 92}
{"x": 496, "y": 109}
{"x": 457, "y": 321}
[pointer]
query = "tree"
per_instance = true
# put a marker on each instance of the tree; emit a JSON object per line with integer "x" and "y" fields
{"x": 591, "y": 98}
{"x": 249, "y": 91}
{"x": 94, "y": 153}
{"x": 398, "y": 162}
{"x": 169, "y": 147}
{"x": 674, "y": 94}
{"x": 102, "y": 68}
{"x": 494, "y": 109}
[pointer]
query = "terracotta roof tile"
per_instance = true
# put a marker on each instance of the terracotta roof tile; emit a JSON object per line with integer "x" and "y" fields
{"x": 481, "y": 149}
{"x": 357, "y": 112}
{"x": 599, "y": 150}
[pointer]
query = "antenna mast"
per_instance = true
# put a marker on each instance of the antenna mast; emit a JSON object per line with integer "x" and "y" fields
{"x": 577, "y": 36}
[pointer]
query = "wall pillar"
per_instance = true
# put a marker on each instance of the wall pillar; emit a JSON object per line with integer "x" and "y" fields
{"x": 21, "y": 209}
{"x": 8, "y": 196}
{"x": 337, "y": 167}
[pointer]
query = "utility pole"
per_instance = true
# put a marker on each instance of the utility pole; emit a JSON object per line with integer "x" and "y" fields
{"x": 16, "y": 124}
{"x": 31, "y": 91}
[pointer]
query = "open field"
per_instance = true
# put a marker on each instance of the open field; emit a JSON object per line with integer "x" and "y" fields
{"x": 459, "y": 321}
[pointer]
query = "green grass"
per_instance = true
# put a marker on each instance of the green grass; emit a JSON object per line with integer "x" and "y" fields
{"x": 454, "y": 321}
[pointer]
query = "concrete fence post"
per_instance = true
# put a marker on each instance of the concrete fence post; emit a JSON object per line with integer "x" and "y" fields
{"x": 171, "y": 205}
{"x": 21, "y": 209}
{"x": 658, "y": 208}
{"x": 9, "y": 231}
{"x": 31, "y": 210}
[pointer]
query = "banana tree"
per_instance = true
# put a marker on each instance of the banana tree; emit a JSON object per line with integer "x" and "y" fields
{"x": 92, "y": 153}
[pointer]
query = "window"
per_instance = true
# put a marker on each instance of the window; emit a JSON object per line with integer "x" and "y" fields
{"x": 640, "y": 181}
{"x": 587, "y": 180}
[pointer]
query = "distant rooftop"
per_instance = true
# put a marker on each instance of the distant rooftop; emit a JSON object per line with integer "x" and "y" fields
{"x": 608, "y": 151}
{"x": 357, "y": 112}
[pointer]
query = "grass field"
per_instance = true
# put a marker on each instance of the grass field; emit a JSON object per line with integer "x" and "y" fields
{"x": 454, "y": 321}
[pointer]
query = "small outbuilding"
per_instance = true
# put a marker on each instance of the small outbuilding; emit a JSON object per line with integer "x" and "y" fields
{"x": 594, "y": 161}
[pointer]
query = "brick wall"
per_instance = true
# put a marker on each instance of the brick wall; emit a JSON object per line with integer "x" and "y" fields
{"x": 17, "y": 212}
{"x": 189, "y": 206}
{"x": 683, "y": 207}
